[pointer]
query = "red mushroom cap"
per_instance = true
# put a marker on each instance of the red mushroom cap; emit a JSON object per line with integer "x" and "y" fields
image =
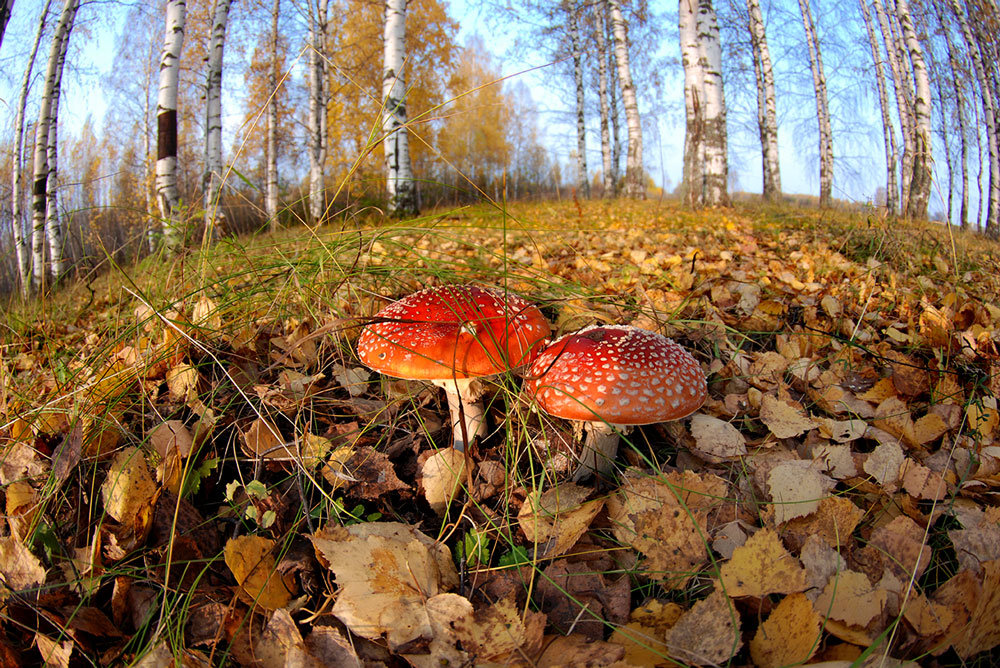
{"x": 620, "y": 374}
{"x": 453, "y": 331}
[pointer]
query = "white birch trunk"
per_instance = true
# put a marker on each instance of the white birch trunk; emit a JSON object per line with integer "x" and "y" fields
{"x": 904, "y": 106}
{"x": 957, "y": 90}
{"x": 212, "y": 177}
{"x": 17, "y": 225}
{"x": 920, "y": 184}
{"x": 582, "y": 177}
{"x": 41, "y": 152}
{"x": 400, "y": 186}
{"x": 614, "y": 107}
{"x": 271, "y": 147}
{"x": 716, "y": 144}
{"x": 54, "y": 232}
{"x": 888, "y": 134}
{"x": 767, "y": 115}
{"x": 822, "y": 108}
{"x": 602, "y": 95}
{"x": 317, "y": 76}
{"x": 990, "y": 117}
{"x": 694, "y": 105}
{"x": 166, "y": 124}
{"x": 635, "y": 178}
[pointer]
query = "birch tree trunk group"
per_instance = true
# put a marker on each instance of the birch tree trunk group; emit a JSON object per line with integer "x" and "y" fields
{"x": 706, "y": 172}
{"x": 767, "y": 114}
{"x": 822, "y": 107}
{"x": 635, "y": 175}
{"x": 576, "y": 48}
{"x": 43, "y": 218}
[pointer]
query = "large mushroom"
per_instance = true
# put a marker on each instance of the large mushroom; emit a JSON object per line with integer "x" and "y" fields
{"x": 453, "y": 336}
{"x": 614, "y": 376}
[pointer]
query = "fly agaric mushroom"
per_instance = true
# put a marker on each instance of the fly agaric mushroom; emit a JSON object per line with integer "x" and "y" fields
{"x": 615, "y": 375}
{"x": 453, "y": 336}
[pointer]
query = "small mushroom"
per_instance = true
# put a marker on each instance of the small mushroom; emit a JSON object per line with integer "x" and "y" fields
{"x": 614, "y": 376}
{"x": 453, "y": 336}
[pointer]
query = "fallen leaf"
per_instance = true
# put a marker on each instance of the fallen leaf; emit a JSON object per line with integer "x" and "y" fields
{"x": 182, "y": 382}
{"x": 708, "y": 633}
{"x": 833, "y": 522}
{"x": 442, "y": 477}
{"x": 903, "y": 546}
{"x": 557, "y": 517}
{"x": 983, "y": 631}
{"x": 796, "y": 489}
{"x": 783, "y": 419}
{"x": 20, "y": 568}
{"x": 761, "y": 567}
{"x": 385, "y": 571}
{"x": 850, "y": 597}
{"x": 129, "y": 492}
{"x": 789, "y": 636}
{"x": 883, "y": 463}
{"x": 716, "y": 439}
{"x": 575, "y": 650}
{"x": 253, "y": 563}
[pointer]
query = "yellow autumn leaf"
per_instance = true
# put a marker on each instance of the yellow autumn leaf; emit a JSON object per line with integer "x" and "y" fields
{"x": 252, "y": 562}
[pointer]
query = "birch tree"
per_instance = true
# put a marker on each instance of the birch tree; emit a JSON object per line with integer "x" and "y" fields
{"x": 920, "y": 184}
{"x": 17, "y": 228}
{"x": 706, "y": 169}
{"x": 46, "y": 120}
{"x": 635, "y": 184}
{"x": 822, "y": 107}
{"x": 605, "y": 105}
{"x": 54, "y": 232}
{"x": 400, "y": 185}
{"x": 166, "y": 123}
{"x": 767, "y": 115}
{"x": 318, "y": 85}
{"x": 989, "y": 116}
{"x": 271, "y": 145}
{"x": 212, "y": 177}
{"x": 958, "y": 95}
{"x": 888, "y": 134}
{"x": 904, "y": 105}
{"x": 576, "y": 52}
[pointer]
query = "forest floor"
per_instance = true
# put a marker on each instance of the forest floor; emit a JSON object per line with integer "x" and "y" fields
{"x": 196, "y": 465}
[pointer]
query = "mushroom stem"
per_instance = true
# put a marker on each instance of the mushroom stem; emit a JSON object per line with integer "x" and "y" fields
{"x": 464, "y": 406}
{"x": 599, "y": 449}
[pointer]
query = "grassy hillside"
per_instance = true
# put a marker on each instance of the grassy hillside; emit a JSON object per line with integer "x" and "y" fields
{"x": 196, "y": 465}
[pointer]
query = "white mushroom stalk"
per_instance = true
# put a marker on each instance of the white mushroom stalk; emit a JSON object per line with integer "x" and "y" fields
{"x": 600, "y": 446}
{"x": 465, "y": 408}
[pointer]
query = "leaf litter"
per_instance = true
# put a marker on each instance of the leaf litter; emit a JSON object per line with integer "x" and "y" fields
{"x": 207, "y": 454}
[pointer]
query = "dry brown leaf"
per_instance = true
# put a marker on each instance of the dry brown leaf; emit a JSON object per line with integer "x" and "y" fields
{"x": 983, "y": 630}
{"x": 922, "y": 483}
{"x": 842, "y": 431}
{"x": 20, "y": 461}
{"x": 22, "y": 509}
{"x": 262, "y": 439}
{"x": 386, "y": 571}
{"x": 205, "y": 315}
{"x": 928, "y": 429}
{"x": 499, "y": 632}
{"x": 129, "y": 492}
{"x": 575, "y": 650}
{"x": 928, "y": 618}
{"x": 253, "y": 563}
{"x": 182, "y": 382}
{"x": 20, "y": 568}
{"x": 850, "y": 598}
{"x": 644, "y": 645}
{"x": 883, "y": 463}
{"x": 903, "y": 546}
{"x": 715, "y": 439}
{"x": 558, "y": 517}
{"x": 708, "y": 633}
{"x": 836, "y": 460}
{"x": 893, "y": 417}
{"x": 976, "y": 545}
{"x": 55, "y": 653}
{"x": 879, "y": 392}
{"x": 442, "y": 477}
{"x": 833, "y": 522}
{"x": 761, "y": 567}
{"x": 789, "y": 636}
{"x": 796, "y": 489}
{"x": 783, "y": 419}
{"x": 582, "y": 596}
{"x": 666, "y": 520}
